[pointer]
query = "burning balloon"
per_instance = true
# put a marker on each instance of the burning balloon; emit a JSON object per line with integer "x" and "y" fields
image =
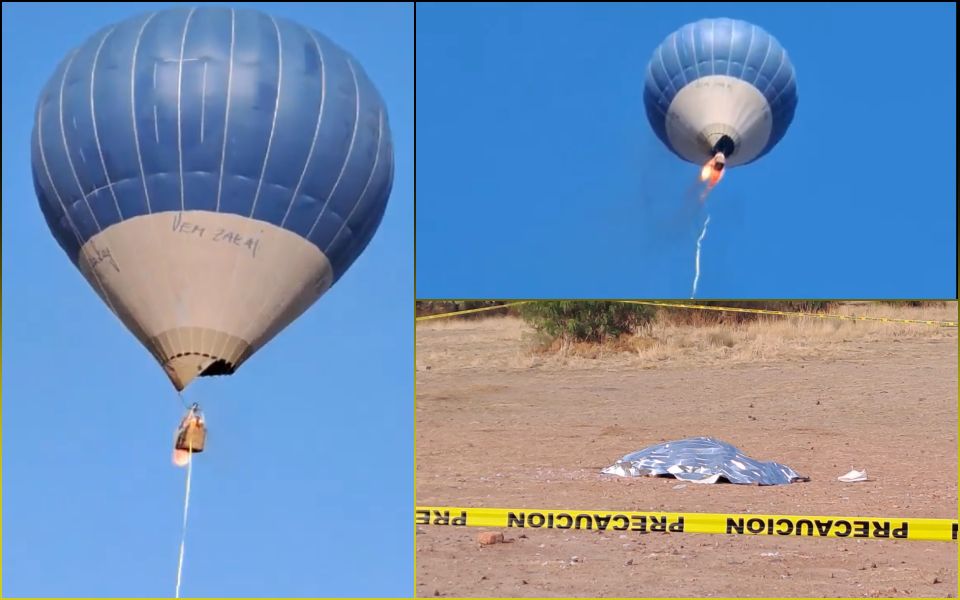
{"x": 720, "y": 93}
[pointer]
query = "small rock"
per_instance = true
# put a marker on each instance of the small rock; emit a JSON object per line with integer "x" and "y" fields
{"x": 436, "y": 592}
{"x": 574, "y": 559}
{"x": 523, "y": 581}
{"x": 630, "y": 562}
{"x": 873, "y": 565}
{"x": 936, "y": 580}
{"x": 488, "y": 538}
{"x": 522, "y": 536}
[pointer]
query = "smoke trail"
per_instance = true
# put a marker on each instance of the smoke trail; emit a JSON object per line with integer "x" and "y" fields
{"x": 696, "y": 276}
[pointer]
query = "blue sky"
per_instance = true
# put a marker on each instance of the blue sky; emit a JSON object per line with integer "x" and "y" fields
{"x": 538, "y": 174}
{"x": 307, "y": 482}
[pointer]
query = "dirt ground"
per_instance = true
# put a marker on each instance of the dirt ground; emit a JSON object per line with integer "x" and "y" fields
{"x": 501, "y": 425}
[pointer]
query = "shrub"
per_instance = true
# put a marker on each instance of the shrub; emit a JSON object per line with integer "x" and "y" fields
{"x": 585, "y": 321}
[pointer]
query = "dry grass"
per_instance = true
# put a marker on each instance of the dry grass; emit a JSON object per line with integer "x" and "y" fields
{"x": 507, "y": 342}
{"x": 469, "y": 343}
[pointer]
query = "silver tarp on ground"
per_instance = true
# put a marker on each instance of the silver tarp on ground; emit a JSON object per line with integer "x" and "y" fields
{"x": 702, "y": 460}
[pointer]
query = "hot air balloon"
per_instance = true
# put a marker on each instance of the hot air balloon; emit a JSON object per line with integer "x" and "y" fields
{"x": 720, "y": 90}
{"x": 211, "y": 172}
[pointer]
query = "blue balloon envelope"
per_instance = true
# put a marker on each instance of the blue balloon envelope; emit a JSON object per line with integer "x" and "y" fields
{"x": 211, "y": 172}
{"x": 720, "y": 85}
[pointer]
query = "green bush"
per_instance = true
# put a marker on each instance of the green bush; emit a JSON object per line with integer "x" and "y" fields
{"x": 585, "y": 321}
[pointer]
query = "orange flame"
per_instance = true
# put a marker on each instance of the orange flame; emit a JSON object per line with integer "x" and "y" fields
{"x": 181, "y": 458}
{"x": 705, "y": 171}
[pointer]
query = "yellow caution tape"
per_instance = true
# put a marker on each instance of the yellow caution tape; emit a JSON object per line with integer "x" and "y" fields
{"x": 468, "y": 311}
{"x": 761, "y": 311}
{"x": 756, "y": 311}
{"x": 942, "y": 530}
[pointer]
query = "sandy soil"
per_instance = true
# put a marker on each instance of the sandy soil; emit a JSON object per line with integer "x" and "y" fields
{"x": 499, "y": 425}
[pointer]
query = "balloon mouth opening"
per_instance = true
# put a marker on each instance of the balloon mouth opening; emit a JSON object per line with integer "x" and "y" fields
{"x": 190, "y": 352}
{"x": 725, "y": 145}
{"x": 187, "y": 366}
{"x": 218, "y": 367}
